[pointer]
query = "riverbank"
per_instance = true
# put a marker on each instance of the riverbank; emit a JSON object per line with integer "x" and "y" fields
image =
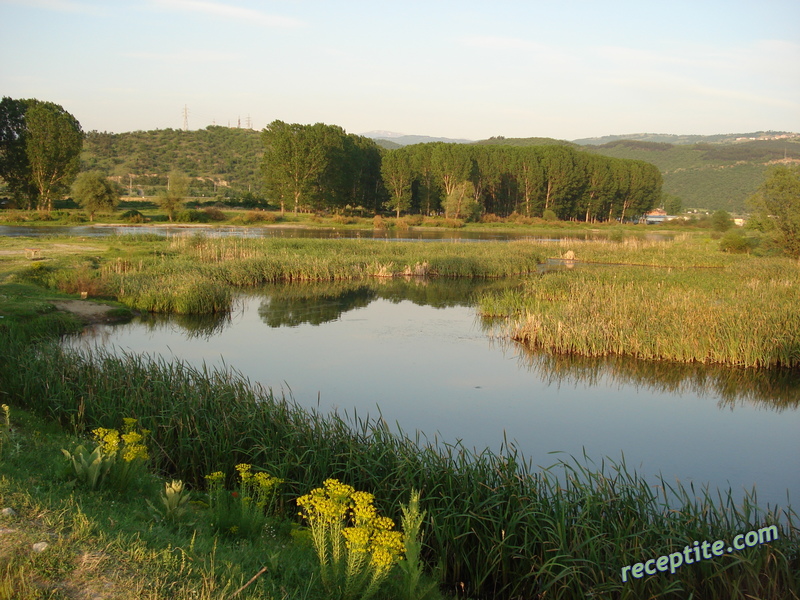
{"x": 497, "y": 525}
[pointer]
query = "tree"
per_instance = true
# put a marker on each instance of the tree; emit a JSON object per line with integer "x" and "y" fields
{"x": 721, "y": 221}
{"x": 53, "y": 148}
{"x": 94, "y": 192}
{"x": 14, "y": 166}
{"x": 40, "y": 146}
{"x": 397, "y": 177}
{"x": 779, "y": 198}
{"x": 295, "y": 159}
{"x": 177, "y": 189}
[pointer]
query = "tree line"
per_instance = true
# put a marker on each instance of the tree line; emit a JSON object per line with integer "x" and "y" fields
{"x": 320, "y": 167}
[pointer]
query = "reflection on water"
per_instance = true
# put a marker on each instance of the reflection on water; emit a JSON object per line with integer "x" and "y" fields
{"x": 412, "y": 234}
{"x": 774, "y": 389}
{"x": 416, "y": 353}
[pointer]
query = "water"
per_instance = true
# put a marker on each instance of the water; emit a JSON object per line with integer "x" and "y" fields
{"x": 280, "y": 231}
{"x": 417, "y": 354}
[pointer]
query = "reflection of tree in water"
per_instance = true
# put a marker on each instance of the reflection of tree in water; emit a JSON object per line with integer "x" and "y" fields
{"x": 776, "y": 389}
{"x": 194, "y": 326}
{"x": 292, "y": 304}
{"x": 312, "y": 303}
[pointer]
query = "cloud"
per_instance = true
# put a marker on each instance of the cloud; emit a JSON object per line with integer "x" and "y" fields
{"x": 218, "y": 9}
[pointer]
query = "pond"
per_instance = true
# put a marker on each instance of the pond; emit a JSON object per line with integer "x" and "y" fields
{"x": 416, "y": 354}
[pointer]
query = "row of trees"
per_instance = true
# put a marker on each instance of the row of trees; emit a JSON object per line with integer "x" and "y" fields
{"x": 321, "y": 167}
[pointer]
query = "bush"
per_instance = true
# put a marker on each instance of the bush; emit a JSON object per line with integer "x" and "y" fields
{"x": 721, "y": 221}
{"x": 735, "y": 243}
{"x": 191, "y": 215}
{"x": 132, "y": 216}
{"x": 491, "y": 218}
{"x": 214, "y": 214}
{"x": 549, "y": 215}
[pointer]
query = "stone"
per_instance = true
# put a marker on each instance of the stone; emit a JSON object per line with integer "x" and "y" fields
{"x": 40, "y": 546}
{"x": 9, "y": 512}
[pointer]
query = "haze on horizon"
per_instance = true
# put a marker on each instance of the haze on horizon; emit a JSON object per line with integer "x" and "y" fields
{"x": 460, "y": 70}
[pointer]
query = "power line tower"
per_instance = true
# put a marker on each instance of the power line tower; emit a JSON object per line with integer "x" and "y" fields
{"x": 185, "y": 118}
{"x": 247, "y": 122}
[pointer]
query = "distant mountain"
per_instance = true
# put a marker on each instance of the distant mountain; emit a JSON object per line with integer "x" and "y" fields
{"x": 722, "y": 138}
{"x": 532, "y": 141}
{"x": 402, "y": 139}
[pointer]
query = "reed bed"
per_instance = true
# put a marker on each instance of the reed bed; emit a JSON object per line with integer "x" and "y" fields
{"x": 498, "y": 526}
{"x": 195, "y": 274}
{"x": 744, "y": 315}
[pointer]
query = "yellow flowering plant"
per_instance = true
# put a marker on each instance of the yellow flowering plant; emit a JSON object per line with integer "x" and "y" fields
{"x": 115, "y": 459}
{"x": 356, "y": 547}
{"x": 244, "y": 511}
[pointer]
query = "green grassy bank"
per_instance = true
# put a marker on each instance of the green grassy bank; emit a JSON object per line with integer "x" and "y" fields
{"x": 195, "y": 274}
{"x": 496, "y": 526}
{"x": 683, "y": 301}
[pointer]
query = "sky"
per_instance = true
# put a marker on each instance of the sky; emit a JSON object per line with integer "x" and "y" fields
{"x": 566, "y": 69}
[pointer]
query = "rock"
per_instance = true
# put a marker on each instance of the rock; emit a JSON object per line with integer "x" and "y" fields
{"x": 570, "y": 255}
{"x": 40, "y": 546}
{"x": 9, "y": 512}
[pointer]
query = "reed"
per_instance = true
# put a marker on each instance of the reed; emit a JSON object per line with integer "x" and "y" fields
{"x": 743, "y": 315}
{"x": 498, "y": 526}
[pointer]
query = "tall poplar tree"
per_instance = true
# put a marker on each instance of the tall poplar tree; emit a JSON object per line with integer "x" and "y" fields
{"x": 40, "y": 146}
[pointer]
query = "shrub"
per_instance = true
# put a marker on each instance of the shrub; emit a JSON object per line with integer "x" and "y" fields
{"x": 549, "y": 215}
{"x": 214, "y": 214}
{"x": 132, "y": 216}
{"x": 735, "y": 243}
{"x": 191, "y": 215}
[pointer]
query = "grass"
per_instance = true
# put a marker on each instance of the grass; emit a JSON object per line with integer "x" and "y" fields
{"x": 195, "y": 274}
{"x": 734, "y": 310}
{"x": 497, "y": 526}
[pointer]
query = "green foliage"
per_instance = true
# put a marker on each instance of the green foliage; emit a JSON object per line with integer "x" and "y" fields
{"x": 115, "y": 460}
{"x": 171, "y": 199}
{"x": 40, "y": 145}
{"x": 355, "y": 546}
{"x": 734, "y": 242}
{"x": 94, "y": 193}
{"x": 173, "y": 503}
{"x": 778, "y": 200}
{"x": 5, "y": 429}
{"x": 549, "y": 215}
{"x": 245, "y": 511}
{"x": 672, "y": 204}
{"x": 413, "y": 586}
{"x": 721, "y": 221}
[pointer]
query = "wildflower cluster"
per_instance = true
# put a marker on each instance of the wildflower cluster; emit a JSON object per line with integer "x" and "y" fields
{"x": 244, "y": 511}
{"x": 115, "y": 458}
{"x": 356, "y": 546}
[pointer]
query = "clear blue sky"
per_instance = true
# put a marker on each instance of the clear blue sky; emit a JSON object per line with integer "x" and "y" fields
{"x": 566, "y": 69}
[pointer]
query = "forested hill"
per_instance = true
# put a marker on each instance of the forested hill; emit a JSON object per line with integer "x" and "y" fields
{"x": 704, "y": 175}
{"x": 719, "y": 175}
{"x": 229, "y": 156}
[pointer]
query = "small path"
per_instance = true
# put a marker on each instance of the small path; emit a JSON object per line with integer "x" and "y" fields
{"x": 90, "y": 312}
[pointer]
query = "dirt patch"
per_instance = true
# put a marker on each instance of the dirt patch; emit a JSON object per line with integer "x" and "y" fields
{"x": 91, "y": 312}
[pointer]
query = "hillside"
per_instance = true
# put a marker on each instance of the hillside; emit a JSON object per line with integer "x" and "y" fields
{"x": 226, "y": 158}
{"x": 705, "y": 175}
{"x": 722, "y": 138}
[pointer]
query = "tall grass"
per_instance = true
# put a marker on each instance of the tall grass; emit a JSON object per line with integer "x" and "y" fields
{"x": 741, "y": 316}
{"x": 194, "y": 274}
{"x": 498, "y": 527}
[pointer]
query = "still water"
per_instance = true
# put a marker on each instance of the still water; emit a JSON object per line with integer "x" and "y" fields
{"x": 417, "y": 354}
